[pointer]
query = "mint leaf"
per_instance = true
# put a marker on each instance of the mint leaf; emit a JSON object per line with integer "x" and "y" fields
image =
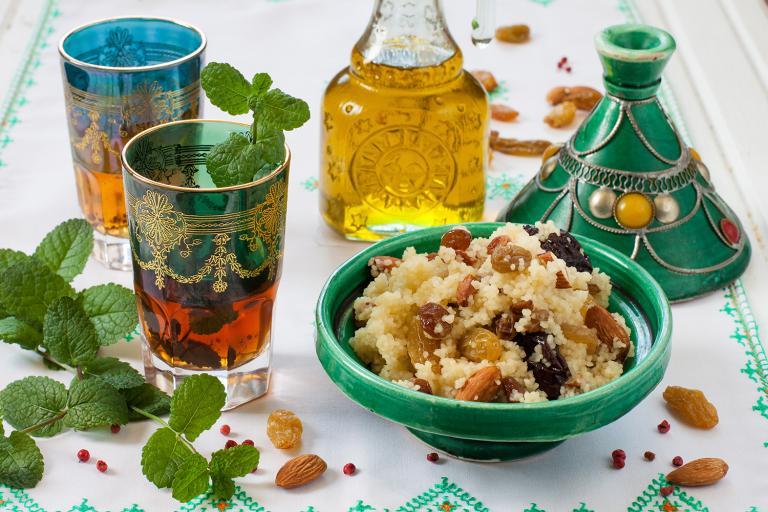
{"x": 28, "y": 288}
{"x": 65, "y": 250}
{"x": 9, "y": 258}
{"x": 34, "y": 400}
{"x": 234, "y": 161}
{"x": 68, "y": 334}
{"x": 191, "y": 478}
{"x": 277, "y": 109}
{"x": 147, "y": 398}
{"x": 260, "y": 83}
{"x": 112, "y": 309}
{"x": 231, "y": 463}
{"x": 13, "y": 330}
{"x": 270, "y": 142}
{"x": 196, "y": 405}
{"x": 226, "y": 87}
{"x": 162, "y": 456}
{"x": 21, "y": 463}
{"x": 117, "y": 373}
{"x": 94, "y": 403}
{"x": 236, "y": 461}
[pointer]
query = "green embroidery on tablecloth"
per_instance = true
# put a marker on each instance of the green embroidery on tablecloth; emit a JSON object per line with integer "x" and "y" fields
{"x": 23, "y": 79}
{"x": 310, "y": 184}
{"x": 504, "y": 186}
{"x": 651, "y": 499}
{"x": 500, "y": 92}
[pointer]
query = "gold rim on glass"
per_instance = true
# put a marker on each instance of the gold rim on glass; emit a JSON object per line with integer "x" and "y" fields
{"x": 131, "y": 69}
{"x": 177, "y": 188}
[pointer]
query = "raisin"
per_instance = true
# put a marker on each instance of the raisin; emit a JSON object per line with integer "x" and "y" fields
{"x": 465, "y": 290}
{"x": 510, "y": 385}
{"x": 465, "y": 258}
{"x": 531, "y": 230}
{"x": 552, "y": 371}
{"x": 284, "y": 429}
{"x": 504, "y": 326}
{"x": 510, "y": 258}
{"x": 581, "y": 334}
{"x": 528, "y": 341}
{"x": 561, "y": 115}
{"x": 431, "y": 320}
{"x": 568, "y": 249}
{"x": 480, "y": 344}
{"x": 514, "y": 33}
{"x": 535, "y": 320}
{"x": 420, "y": 347}
{"x": 503, "y": 113}
{"x": 517, "y": 147}
{"x": 691, "y": 406}
{"x": 486, "y": 79}
{"x": 381, "y": 264}
{"x": 585, "y": 98}
{"x": 457, "y": 239}
{"x": 422, "y": 386}
{"x": 496, "y": 241}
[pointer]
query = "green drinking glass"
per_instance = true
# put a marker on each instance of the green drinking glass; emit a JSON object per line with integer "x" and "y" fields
{"x": 206, "y": 260}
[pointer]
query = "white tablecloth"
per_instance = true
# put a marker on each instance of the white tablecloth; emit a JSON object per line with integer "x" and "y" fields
{"x": 302, "y": 44}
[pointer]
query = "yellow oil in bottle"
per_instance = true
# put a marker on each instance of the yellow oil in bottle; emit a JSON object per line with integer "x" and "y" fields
{"x": 403, "y": 147}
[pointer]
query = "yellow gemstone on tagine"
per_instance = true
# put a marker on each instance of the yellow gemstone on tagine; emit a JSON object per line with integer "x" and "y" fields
{"x": 633, "y": 210}
{"x": 695, "y": 154}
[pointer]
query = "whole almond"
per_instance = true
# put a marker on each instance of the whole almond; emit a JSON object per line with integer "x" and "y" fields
{"x": 299, "y": 471}
{"x": 608, "y": 329}
{"x": 698, "y": 472}
{"x": 482, "y": 386}
{"x": 465, "y": 290}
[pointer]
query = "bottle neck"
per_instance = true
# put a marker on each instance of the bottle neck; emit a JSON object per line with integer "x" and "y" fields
{"x": 407, "y": 44}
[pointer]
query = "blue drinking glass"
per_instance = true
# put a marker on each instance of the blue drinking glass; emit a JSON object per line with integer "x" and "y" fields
{"x": 122, "y": 76}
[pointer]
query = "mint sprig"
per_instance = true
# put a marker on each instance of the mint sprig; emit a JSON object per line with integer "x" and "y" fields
{"x": 243, "y": 158}
{"x": 42, "y": 313}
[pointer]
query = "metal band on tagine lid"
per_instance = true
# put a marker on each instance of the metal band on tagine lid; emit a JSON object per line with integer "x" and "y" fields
{"x": 627, "y": 179}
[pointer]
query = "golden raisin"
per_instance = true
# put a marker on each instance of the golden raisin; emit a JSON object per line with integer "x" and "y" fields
{"x": 510, "y": 258}
{"x": 581, "y": 334}
{"x": 486, "y": 78}
{"x": 562, "y": 115}
{"x": 691, "y": 406}
{"x": 457, "y": 238}
{"x": 585, "y": 98}
{"x": 423, "y": 386}
{"x": 503, "y": 113}
{"x": 518, "y": 147}
{"x": 480, "y": 344}
{"x": 284, "y": 429}
{"x": 496, "y": 241}
{"x": 420, "y": 347}
{"x": 513, "y": 33}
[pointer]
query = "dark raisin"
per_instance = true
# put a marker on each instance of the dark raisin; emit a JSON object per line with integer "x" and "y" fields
{"x": 531, "y": 230}
{"x": 568, "y": 249}
{"x": 457, "y": 238}
{"x": 510, "y": 385}
{"x": 552, "y": 371}
{"x": 504, "y": 326}
{"x": 431, "y": 320}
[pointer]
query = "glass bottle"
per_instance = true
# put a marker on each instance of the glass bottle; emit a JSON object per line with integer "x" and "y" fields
{"x": 405, "y": 129}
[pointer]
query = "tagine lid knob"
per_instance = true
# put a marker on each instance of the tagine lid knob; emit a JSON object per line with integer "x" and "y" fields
{"x": 633, "y": 57}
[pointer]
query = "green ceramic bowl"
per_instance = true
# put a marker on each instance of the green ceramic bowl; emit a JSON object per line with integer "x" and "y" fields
{"x": 495, "y": 431}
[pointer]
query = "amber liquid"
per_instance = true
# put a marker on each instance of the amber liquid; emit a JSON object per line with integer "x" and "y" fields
{"x": 402, "y": 148}
{"x": 102, "y": 200}
{"x": 192, "y": 327}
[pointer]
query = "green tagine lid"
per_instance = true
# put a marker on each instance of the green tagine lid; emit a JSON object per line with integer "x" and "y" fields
{"x": 627, "y": 179}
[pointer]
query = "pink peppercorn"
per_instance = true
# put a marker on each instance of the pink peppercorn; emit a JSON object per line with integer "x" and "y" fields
{"x": 230, "y": 443}
{"x": 618, "y": 463}
{"x": 433, "y": 457}
{"x": 663, "y": 427}
{"x": 677, "y": 461}
{"x": 649, "y": 455}
{"x": 618, "y": 454}
{"x": 102, "y": 466}
{"x": 225, "y": 429}
{"x": 83, "y": 455}
{"x": 249, "y": 442}
{"x": 349, "y": 469}
{"x": 666, "y": 491}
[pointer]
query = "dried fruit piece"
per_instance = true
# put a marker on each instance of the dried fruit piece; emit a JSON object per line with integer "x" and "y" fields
{"x": 561, "y": 115}
{"x": 698, "y": 472}
{"x": 482, "y": 386}
{"x": 538, "y": 316}
{"x": 497, "y": 241}
{"x": 552, "y": 371}
{"x": 561, "y": 282}
{"x": 511, "y": 385}
{"x": 593, "y": 289}
{"x": 691, "y": 406}
{"x": 486, "y": 79}
{"x": 503, "y": 113}
{"x": 432, "y": 320}
{"x": 567, "y": 248}
{"x": 480, "y": 344}
{"x": 581, "y": 334}
{"x": 465, "y": 258}
{"x": 585, "y": 98}
{"x": 510, "y": 258}
{"x": 284, "y": 429}
{"x": 422, "y": 386}
{"x": 520, "y": 33}
{"x": 465, "y": 290}
{"x": 518, "y": 147}
{"x": 381, "y": 264}
{"x": 608, "y": 329}
{"x": 457, "y": 238}
{"x": 300, "y": 471}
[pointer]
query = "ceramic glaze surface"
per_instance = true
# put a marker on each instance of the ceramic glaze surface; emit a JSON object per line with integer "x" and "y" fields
{"x": 495, "y": 431}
